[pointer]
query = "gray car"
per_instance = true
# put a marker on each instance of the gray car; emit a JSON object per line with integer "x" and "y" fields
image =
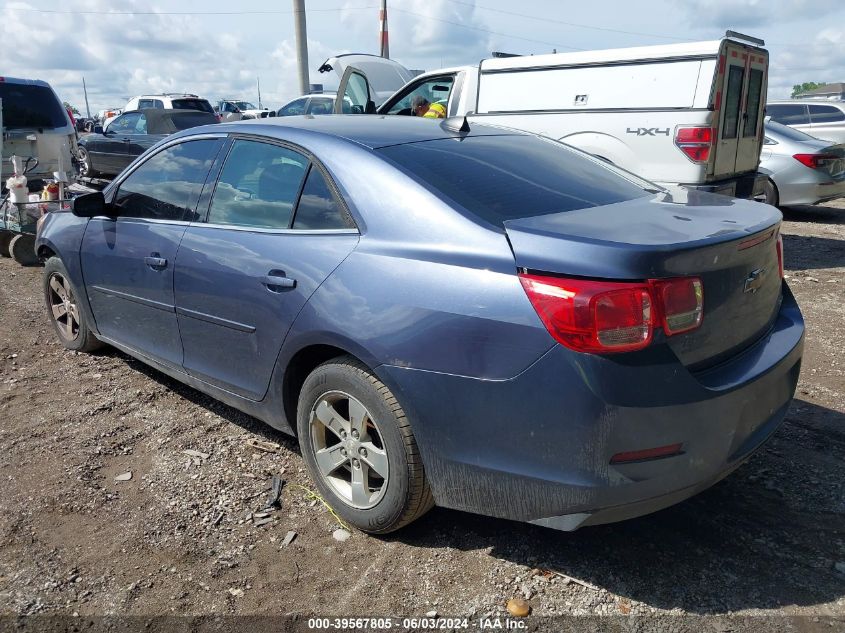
{"x": 802, "y": 169}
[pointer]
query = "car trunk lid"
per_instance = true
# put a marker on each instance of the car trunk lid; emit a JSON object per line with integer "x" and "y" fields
{"x": 729, "y": 244}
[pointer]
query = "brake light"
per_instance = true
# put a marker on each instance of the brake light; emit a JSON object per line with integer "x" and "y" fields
{"x": 607, "y": 316}
{"x": 682, "y": 304}
{"x": 779, "y": 247}
{"x": 695, "y": 142}
{"x": 815, "y": 161}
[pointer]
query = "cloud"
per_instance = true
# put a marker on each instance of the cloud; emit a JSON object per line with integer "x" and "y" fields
{"x": 821, "y": 60}
{"x": 422, "y": 32}
{"x": 731, "y": 14}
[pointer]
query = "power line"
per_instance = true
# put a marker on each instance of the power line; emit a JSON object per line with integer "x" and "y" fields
{"x": 199, "y": 13}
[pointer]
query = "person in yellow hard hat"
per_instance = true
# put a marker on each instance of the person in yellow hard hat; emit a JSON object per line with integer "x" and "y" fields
{"x": 420, "y": 106}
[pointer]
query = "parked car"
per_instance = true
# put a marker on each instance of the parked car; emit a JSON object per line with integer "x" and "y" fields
{"x": 802, "y": 169}
{"x": 232, "y": 110}
{"x": 503, "y": 325}
{"x": 35, "y": 125}
{"x": 108, "y": 152}
{"x": 165, "y": 101}
{"x": 824, "y": 120}
{"x": 322, "y": 103}
{"x": 678, "y": 114}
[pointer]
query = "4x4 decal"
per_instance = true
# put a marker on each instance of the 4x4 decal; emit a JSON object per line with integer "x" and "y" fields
{"x": 648, "y": 131}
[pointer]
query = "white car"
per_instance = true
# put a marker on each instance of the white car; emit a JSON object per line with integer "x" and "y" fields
{"x": 322, "y": 103}
{"x": 802, "y": 169}
{"x": 822, "y": 119}
{"x": 229, "y": 110}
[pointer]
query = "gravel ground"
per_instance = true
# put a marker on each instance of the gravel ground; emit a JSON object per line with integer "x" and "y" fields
{"x": 181, "y": 535}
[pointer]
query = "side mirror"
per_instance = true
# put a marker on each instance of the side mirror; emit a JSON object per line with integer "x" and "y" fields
{"x": 89, "y": 205}
{"x": 98, "y": 129}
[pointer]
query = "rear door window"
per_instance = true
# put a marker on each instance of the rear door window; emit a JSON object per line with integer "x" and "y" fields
{"x": 294, "y": 108}
{"x": 501, "y": 178}
{"x": 319, "y": 207}
{"x": 755, "y": 88}
{"x": 28, "y": 106}
{"x": 258, "y": 186}
{"x": 733, "y": 97}
{"x": 167, "y": 185}
{"x": 789, "y": 114}
{"x": 826, "y": 114}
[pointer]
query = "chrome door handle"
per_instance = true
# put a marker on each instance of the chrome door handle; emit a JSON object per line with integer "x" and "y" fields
{"x": 276, "y": 282}
{"x": 156, "y": 263}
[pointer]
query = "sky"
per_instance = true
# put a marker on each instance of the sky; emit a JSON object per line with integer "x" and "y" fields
{"x": 220, "y": 49}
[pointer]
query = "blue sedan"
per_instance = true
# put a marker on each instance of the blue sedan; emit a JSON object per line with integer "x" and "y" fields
{"x": 479, "y": 318}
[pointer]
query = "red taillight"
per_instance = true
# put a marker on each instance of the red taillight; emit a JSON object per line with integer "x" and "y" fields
{"x": 606, "y": 316}
{"x": 681, "y": 303}
{"x": 779, "y": 248}
{"x": 695, "y": 142}
{"x": 815, "y": 161}
{"x": 647, "y": 454}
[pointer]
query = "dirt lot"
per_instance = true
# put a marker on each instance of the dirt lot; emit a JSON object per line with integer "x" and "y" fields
{"x": 176, "y": 537}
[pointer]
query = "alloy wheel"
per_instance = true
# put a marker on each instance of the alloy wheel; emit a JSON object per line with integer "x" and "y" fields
{"x": 63, "y": 307}
{"x": 349, "y": 449}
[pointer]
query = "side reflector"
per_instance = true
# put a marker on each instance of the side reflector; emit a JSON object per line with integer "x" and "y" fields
{"x": 647, "y": 454}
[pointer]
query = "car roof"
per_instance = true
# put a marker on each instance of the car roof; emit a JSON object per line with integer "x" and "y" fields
{"x": 833, "y": 102}
{"x": 19, "y": 80}
{"x": 372, "y": 131}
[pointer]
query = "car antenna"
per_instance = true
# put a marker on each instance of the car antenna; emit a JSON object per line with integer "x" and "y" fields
{"x": 456, "y": 124}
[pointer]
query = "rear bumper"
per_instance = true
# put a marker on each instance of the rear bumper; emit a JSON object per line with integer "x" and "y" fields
{"x": 810, "y": 192}
{"x": 744, "y": 186}
{"x": 538, "y": 447}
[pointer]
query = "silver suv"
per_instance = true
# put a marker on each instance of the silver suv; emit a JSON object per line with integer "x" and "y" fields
{"x": 822, "y": 119}
{"x": 35, "y": 125}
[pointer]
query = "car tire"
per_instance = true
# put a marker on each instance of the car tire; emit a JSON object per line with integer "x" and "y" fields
{"x": 61, "y": 299}
{"x": 85, "y": 168}
{"x": 769, "y": 193}
{"x": 359, "y": 449}
{"x": 22, "y": 250}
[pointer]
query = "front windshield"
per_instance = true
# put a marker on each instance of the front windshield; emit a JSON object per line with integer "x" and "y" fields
{"x": 245, "y": 105}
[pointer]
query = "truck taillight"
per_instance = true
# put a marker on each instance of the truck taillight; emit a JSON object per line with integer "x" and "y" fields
{"x": 695, "y": 142}
{"x": 609, "y": 316}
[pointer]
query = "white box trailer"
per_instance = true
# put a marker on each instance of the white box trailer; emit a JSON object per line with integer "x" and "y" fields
{"x": 680, "y": 114}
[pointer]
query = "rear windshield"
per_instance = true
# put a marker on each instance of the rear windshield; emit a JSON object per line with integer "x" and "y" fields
{"x": 501, "y": 178}
{"x": 27, "y": 106}
{"x": 192, "y": 104}
{"x": 185, "y": 120}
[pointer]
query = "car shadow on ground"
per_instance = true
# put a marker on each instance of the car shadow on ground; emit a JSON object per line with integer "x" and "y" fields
{"x": 766, "y": 536}
{"x": 814, "y": 213}
{"x": 804, "y": 252}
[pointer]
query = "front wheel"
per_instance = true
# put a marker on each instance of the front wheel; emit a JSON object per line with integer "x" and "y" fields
{"x": 359, "y": 448}
{"x": 64, "y": 311}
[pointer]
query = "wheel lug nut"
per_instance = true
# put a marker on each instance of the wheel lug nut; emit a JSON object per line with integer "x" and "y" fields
{"x": 354, "y": 434}
{"x": 343, "y": 434}
{"x": 343, "y": 452}
{"x": 356, "y": 463}
{"x": 362, "y": 452}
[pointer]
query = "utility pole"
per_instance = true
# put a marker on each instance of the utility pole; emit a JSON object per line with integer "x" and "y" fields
{"x": 301, "y": 45}
{"x": 384, "y": 47}
{"x": 258, "y": 84}
{"x": 87, "y": 107}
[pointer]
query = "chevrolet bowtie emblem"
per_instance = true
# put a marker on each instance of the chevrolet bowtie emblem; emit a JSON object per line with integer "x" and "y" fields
{"x": 754, "y": 281}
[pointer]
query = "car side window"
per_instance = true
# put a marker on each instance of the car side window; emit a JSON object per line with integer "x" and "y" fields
{"x": 826, "y": 114}
{"x": 789, "y": 114}
{"x": 318, "y": 207}
{"x": 141, "y": 125}
{"x": 146, "y": 103}
{"x": 167, "y": 185}
{"x": 294, "y": 108}
{"x": 258, "y": 186}
{"x": 436, "y": 90}
{"x": 125, "y": 124}
{"x": 320, "y": 106}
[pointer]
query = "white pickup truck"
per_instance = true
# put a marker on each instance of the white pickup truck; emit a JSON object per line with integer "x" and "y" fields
{"x": 680, "y": 114}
